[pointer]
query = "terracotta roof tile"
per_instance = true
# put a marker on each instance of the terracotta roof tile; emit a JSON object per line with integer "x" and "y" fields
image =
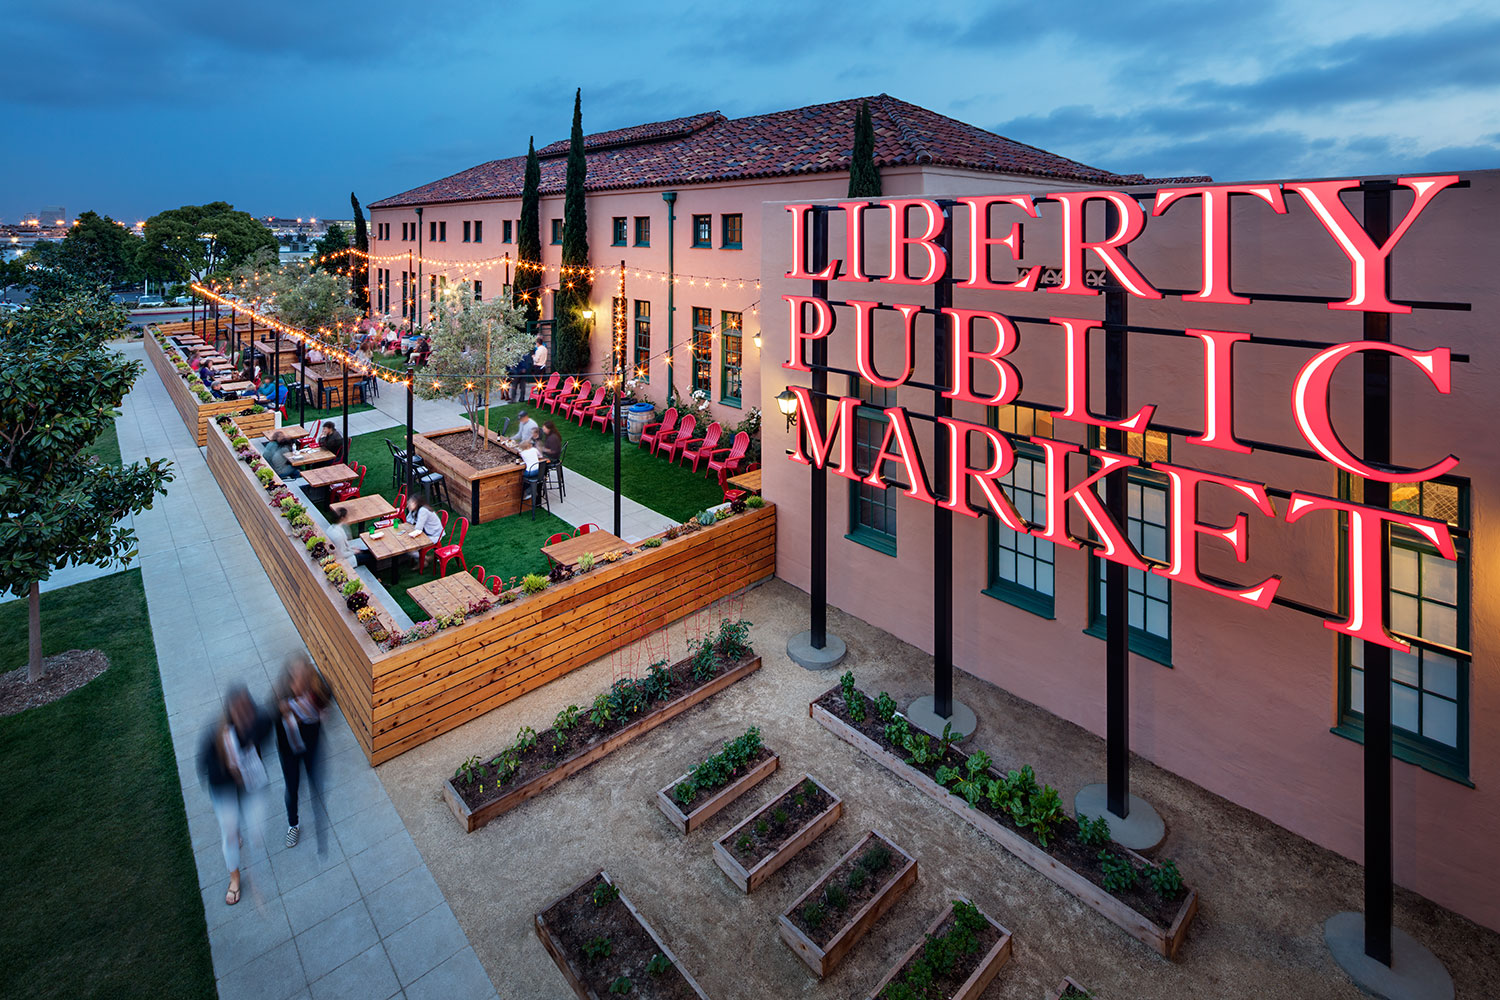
{"x": 708, "y": 147}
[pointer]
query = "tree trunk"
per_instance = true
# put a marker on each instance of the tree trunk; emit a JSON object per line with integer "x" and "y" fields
{"x": 34, "y": 628}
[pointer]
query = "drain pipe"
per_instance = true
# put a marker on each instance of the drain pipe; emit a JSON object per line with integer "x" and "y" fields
{"x": 670, "y": 197}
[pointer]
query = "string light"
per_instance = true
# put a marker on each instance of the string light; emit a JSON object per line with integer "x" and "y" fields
{"x": 562, "y": 271}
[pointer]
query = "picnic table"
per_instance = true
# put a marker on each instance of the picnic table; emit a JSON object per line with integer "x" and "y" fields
{"x": 188, "y": 338}
{"x": 237, "y": 386}
{"x": 326, "y": 385}
{"x": 328, "y": 474}
{"x": 267, "y": 349}
{"x": 600, "y": 543}
{"x": 394, "y": 543}
{"x": 290, "y": 432}
{"x": 749, "y": 482}
{"x": 310, "y": 457}
{"x": 362, "y": 509}
{"x": 449, "y": 594}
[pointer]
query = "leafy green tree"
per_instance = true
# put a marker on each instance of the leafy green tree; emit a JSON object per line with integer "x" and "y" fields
{"x": 100, "y": 251}
{"x": 864, "y": 175}
{"x": 571, "y": 331}
{"x": 12, "y": 274}
{"x": 194, "y": 241}
{"x": 60, "y": 386}
{"x": 528, "y": 282}
{"x": 257, "y": 277}
{"x": 313, "y": 300}
{"x": 359, "y": 267}
{"x": 470, "y": 339}
{"x": 333, "y": 240}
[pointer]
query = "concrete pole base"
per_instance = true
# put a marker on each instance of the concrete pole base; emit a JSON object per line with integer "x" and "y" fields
{"x": 921, "y": 714}
{"x": 1414, "y": 973}
{"x": 1142, "y": 830}
{"x": 800, "y": 648}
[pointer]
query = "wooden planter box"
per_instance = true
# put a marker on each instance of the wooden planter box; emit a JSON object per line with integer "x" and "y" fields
{"x": 196, "y": 414}
{"x": 988, "y": 967}
{"x": 479, "y": 494}
{"x": 1164, "y": 940}
{"x": 1062, "y": 987}
{"x": 472, "y": 820}
{"x": 823, "y": 960}
{"x": 751, "y": 879}
{"x": 570, "y": 970}
{"x": 709, "y": 807}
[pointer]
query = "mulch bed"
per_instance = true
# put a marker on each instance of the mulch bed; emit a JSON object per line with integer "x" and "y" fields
{"x": 464, "y": 446}
{"x": 763, "y": 845}
{"x": 576, "y": 921}
{"x": 1064, "y": 845}
{"x": 60, "y": 674}
{"x": 855, "y": 892}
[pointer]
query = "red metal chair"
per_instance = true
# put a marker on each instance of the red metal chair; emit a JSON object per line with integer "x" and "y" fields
{"x": 311, "y": 439}
{"x": 339, "y": 492}
{"x": 734, "y": 457}
{"x": 456, "y": 550}
{"x": 539, "y": 391}
{"x": 730, "y": 496}
{"x": 666, "y": 424}
{"x": 561, "y": 536}
{"x": 584, "y": 406}
{"x": 564, "y": 399}
{"x": 479, "y": 575}
{"x": 701, "y": 448}
{"x": 386, "y": 522}
{"x": 422, "y": 553}
{"x": 588, "y": 529}
{"x": 496, "y": 585}
{"x": 669, "y": 444}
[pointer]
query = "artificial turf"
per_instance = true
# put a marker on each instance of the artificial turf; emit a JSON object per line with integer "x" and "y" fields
{"x": 97, "y": 881}
{"x": 509, "y": 547}
{"x": 106, "y": 446}
{"x": 669, "y": 488}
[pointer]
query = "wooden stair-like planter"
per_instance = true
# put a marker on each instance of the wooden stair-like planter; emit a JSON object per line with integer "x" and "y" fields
{"x": 565, "y": 961}
{"x": 473, "y": 819}
{"x": 712, "y": 805}
{"x": 988, "y": 966}
{"x": 822, "y": 960}
{"x": 752, "y": 878}
{"x": 1164, "y": 940}
{"x": 1062, "y": 987}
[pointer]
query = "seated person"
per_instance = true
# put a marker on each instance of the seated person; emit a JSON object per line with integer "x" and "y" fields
{"x": 532, "y": 475}
{"x": 278, "y": 443}
{"x": 273, "y": 394}
{"x": 420, "y": 517}
{"x": 526, "y": 430}
{"x": 315, "y": 357}
{"x": 195, "y": 363}
{"x": 551, "y": 444}
{"x": 333, "y": 441}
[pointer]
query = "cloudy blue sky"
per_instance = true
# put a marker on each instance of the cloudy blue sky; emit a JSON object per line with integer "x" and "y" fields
{"x": 283, "y": 106}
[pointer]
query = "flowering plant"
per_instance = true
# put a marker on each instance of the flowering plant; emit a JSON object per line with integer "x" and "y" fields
{"x": 366, "y": 614}
{"x": 480, "y": 606}
{"x": 421, "y": 630}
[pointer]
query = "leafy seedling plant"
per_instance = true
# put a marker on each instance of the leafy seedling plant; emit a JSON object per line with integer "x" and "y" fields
{"x": 469, "y": 771}
{"x": 597, "y": 948}
{"x": 734, "y": 639}
{"x": 885, "y": 707}
{"x": 1119, "y": 873}
{"x": 621, "y": 984}
{"x": 604, "y": 893}
{"x": 854, "y": 701}
{"x": 1166, "y": 879}
{"x": 1093, "y": 832}
{"x": 658, "y": 964}
{"x": 705, "y": 661}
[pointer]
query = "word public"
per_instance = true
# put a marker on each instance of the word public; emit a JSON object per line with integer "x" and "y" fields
{"x": 921, "y": 230}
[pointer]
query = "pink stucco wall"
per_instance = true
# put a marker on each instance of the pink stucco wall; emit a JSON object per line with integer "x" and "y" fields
{"x": 1246, "y": 708}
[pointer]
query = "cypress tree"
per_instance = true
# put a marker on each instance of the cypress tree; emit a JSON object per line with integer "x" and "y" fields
{"x": 574, "y": 290}
{"x": 359, "y": 267}
{"x": 529, "y": 237}
{"x": 864, "y": 175}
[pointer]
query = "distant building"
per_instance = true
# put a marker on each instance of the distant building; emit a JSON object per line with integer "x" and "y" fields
{"x": 53, "y": 215}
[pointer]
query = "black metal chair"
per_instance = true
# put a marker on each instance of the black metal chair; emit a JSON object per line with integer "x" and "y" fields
{"x": 435, "y": 485}
{"x": 536, "y": 490}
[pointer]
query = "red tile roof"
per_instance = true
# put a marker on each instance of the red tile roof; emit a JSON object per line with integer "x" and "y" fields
{"x": 709, "y": 147}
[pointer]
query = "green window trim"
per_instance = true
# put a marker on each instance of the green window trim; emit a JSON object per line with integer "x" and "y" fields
{"x": 643, "y": 230}
{"x": 700, "y": 374}
{"x": 731, "y": 358}
{"x": 643, "y": 339}
{"x": 1014, "y": 420}
{"x": 733, "y": 231}
{"x": 868, "y": 536}
{"x": 861, "y": 495}
{"x": 557, "y": 232}
{"x": 618, "y": 231}
{"x": 1151, "y": 645}
{"x": 703, "y": 231}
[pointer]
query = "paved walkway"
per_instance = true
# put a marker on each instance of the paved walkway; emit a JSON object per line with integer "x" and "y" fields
{"x": 364, "y": 921}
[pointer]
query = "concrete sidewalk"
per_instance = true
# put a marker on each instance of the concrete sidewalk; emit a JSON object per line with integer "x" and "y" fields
{"x": 364, "y": 921}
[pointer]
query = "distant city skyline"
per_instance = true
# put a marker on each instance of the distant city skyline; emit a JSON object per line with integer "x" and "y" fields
{"x": 141, "y": 108}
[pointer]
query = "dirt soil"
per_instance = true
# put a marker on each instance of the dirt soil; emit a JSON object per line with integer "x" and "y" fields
{"x": 61, "y": 674}
{"x": 800, "y": 809}
{"x": 463, "y": 446}
{"x": 841, "y": 894}
{"x": 1264, "y": 892}
{"x": 577, "y": 921}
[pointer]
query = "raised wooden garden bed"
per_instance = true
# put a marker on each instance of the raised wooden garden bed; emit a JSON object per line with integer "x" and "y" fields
{"x": 1068, "y": 990}
{"x": 823, "y": 947}
{"x": 972, "y": 972}
{"x": 709, "y": 805}
{"x": 1163, "y": 932}
{"x": 195, "y": 413}
{"x": 474, "y": 811}
{"x": 770, "y": 849}
{"x": 480, "y": 494}
{"x": 595, "y": 913}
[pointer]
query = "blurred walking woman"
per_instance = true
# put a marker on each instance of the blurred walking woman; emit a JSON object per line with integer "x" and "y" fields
{"x": 231, "y": 764}
{"x": 301, "y": 698}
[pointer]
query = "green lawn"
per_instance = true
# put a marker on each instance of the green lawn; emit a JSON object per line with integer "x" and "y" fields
{"x": 97, "y": 881}
{"x": 336, "y": 414}
{"x": 672, "y": 489}
{"x": 106, "y": 446}
{"x": 507, "y": 547}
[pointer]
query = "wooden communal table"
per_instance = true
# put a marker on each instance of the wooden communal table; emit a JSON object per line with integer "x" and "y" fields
{"x": 325, "y": 385}
{"x": 328, "y": 474}
{"x": 361, "y": 509}
{"x": 267, "y": 350}
{"x": 749, "y": 481}
{"x": 394, "y": 543}
{"x": 448, "y": 594}
{"x": 188, "y": 340}
{"x": 312, "y": 457}
{"x": 238, "y": 385}
{"x": 600, "y": 543}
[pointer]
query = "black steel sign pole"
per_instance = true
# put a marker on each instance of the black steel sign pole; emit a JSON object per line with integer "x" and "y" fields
{"x": 819, "y": 587}
{"x": 942, "y": 517}
{"x": 1116, "y": 598}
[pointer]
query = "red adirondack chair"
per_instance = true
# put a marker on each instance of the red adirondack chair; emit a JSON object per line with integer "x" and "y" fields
{"x": 563, "y": 402}
{"x": 667, "y": 424}
{"x": 734, "y": 457}
{"x": 584, "y": 408}
{"x": 671, "y": 446}
{"x": 456, "y": 551}
{"x": 603, "y": 415}
{"x": 552, "y": 396}
{"x": 701, "y": 448}
{"x": 539, "y": 391}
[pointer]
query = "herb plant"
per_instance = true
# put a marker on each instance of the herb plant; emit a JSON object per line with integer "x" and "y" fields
{"x": 705, "y": 661}
{"x": 812, "y": 915}
{"x": 1165, "y": 879}
{"x": 1093, "y": 832}
{"x": 885, "y": 707}
{"x": 854, "y": 701}
{"x": 658, "y": 964}
{"x": 597, "y": 948}
{"x": 604, "y": 893}
{"x": 525, "y": 739}
{"x": 1119, "y": 873}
